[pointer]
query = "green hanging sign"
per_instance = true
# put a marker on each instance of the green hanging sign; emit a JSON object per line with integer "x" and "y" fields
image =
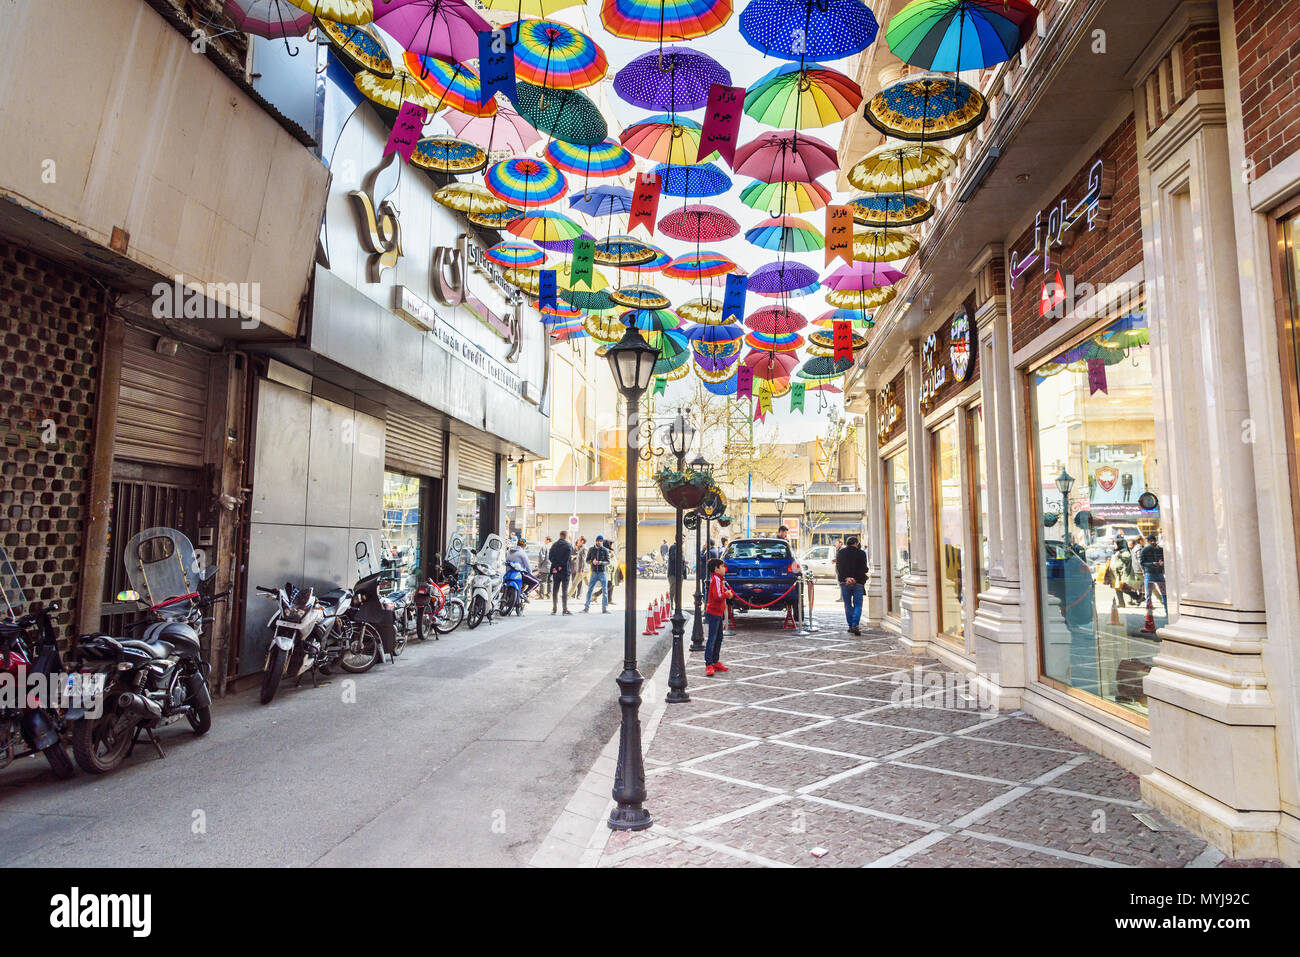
{"x": 796, "y": 396}
{"x": 661, "y": 383}
{"x": 584, "y": 258}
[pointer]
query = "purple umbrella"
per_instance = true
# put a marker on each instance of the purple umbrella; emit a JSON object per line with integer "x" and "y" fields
{"x": 716, "y": 363}
{"x": 561, "y": 245}
{"x": 273, "y": 19}
{"x": 676, "y": 79}
{"x": 445, "y": 29}
{"x": 775, "y": 278}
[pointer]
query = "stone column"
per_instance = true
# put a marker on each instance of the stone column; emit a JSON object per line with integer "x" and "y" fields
{"x": 877, "y": 545}
{"x": 917, "y": 623}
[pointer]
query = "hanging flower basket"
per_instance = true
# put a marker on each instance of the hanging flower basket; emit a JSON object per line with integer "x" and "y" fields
{"x": 684, "y": 490}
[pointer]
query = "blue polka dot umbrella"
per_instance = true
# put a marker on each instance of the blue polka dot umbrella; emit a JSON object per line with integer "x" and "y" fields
{"x": 696, "y": 180}
{"x": 808, "y": 30}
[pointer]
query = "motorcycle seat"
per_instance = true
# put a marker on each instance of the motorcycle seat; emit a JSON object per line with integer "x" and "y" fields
{"x": 155, "y": 649}
{"x": 331, "y": 599}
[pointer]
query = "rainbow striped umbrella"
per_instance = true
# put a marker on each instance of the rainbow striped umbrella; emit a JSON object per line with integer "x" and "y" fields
{"x": 694, "y": 267}
{"x": 543, "y": 225}
{"x": 666, "y": 139}
{"x": 651, "y": 320}
{"x": 952, "y": 35}
{"x": 653, "y": 20}
{"x": 515, "y": 255}
{"x": 785, "y": 197}
{"x": 455, "y": 85}
{"x": 604, "y": 159}
{"x": 660, "y": 260}
{"x": 813, "y": 95}
{"x": 857, "y": 318}
{"x": 523, "y": 181}
{"x": 555, "y": 56}
{"x": 786, "y": 234}
{"x": 552, "y": 315}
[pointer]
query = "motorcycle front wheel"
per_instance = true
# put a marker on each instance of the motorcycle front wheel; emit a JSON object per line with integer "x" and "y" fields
{"x": 274, "y": 669}
{"x": 362, "y": 650}
{"x": 509, "y": 600}
{"x": 200, "y": 720}
{"x": 100, "y": 744}
{"x": 477, "y": 611}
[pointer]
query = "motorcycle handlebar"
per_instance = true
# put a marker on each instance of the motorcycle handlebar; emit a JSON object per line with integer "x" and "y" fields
{"x": 263, "y": 588}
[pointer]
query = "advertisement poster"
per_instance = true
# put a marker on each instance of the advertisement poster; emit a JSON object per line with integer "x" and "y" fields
{"x": 1115, "y": 474}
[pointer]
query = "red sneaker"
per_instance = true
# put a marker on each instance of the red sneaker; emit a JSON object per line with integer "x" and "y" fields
{"x": 708, "y": 671}
{"x": 719, "y": 666}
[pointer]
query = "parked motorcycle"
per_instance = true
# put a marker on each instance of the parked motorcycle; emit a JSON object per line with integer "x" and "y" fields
{"x": 512, "y": 591}
{"x": 486, "y": 581}
{"x": 160, "y": 677}
{"x": 438, "y": 608}
{"x": 28, "y": 647}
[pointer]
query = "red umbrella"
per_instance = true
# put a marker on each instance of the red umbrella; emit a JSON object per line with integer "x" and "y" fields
{"x": 771, "y": 365}
{"x": 785, "y": 156}
{"x": 864, "y": 275}
{"x": 776, "y": 321}
{"x": 699, "y": 223}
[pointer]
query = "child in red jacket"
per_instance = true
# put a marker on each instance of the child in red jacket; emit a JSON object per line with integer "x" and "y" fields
{"x": 715, "y": 609}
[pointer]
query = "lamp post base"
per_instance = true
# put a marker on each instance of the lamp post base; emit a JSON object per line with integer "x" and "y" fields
{"x": 629, "y": 819}
{"x": 677, "y": 669}
{"x": 629, "y": 773}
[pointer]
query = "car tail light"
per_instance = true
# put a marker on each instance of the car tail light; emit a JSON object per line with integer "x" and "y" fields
{"x": 794, "y": 568}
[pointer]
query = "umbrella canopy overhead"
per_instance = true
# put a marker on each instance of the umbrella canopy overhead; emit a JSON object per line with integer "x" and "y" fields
{"x": 651, "y": 320}
{"x": 891, "y": 209}
{"x": 506, "y": 130}
{"x": 565, "y": 114}
{"x": 393, "y": 91}
{"x": 623, "y": 251}
{"x": 926, "y": 106}
{"x": 446, "y": 29}
{"x": 884, "y": 245}
{"x": 785, "y": 197}
{"x": 555, "y": 55}
{"x": 863, "y": 275}
{"x": 785, "y": 156}
{"x": 824, "y": 368}
{"x": 361, "y": 45}
{"x": 655, "y": 20}
{"x": 542, "y": 225}
{"x": 273, "y": 19}
{"x": 352, "y": 12}
{"x": 861, "y": 299}
{"x": 534, "y": 8}
{"x": 454, "y": 85}
{"x": 660, "y": 260}
{"x": 602, "y": 201}
{"x": 775, "y": 321}
{"x": 780, "y": 342}
{"x": 511, "y": 255}
{"x": 447, "y": 154}
{"x": 525, "y": 182}
{"x": 499, "y": 220}
{"x": 771, "y": 365}
{"x": 666, "y": 139}
{"x": 786, "y": 234}
{"x": 606, "y": 158}
{"x": 774, "y": 279}
{"x": 699, "y": 223}
{"x": 640, "y": 297}
{"x": 696, "y": 267}
{"x": 470, "y": 198}
{"x": 856, "y": 317}
{"x": 702, "y": 310}
{"x": 704, "y": 333}
{"x": 898, "y": 168}
{"x": 698, "y": 180}
{"x": 673, "y": 80}
{"x": 800, "y": 97}
{"x": 806, "y": 30}
{"x": 956, "y": 35}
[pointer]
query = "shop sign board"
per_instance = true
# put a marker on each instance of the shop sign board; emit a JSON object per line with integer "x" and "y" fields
{"x": 424, "y": 316}
{"x": 1053, "y": 226}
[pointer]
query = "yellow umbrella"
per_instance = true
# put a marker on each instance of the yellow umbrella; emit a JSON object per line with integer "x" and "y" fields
{"x": 860, "y": 299}
{"x": 470, "y": 198}
{"x": 391, "y": 91}
{"x": 355, "y": 12}
{"x": 604, "y": 329}
{"x": 883, "y": 245}
{"x": 708, "y": 311}
{"x": 537, "y": 9}
{"x": 896, "y": 168}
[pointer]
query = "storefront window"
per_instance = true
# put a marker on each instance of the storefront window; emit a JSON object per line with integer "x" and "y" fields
{"x": 975, "y": 428}
{"x": 407, "y": 507}
{"x": 947, "y": 499}
{"x": 1100, "y": 552}
{"x": 473, "y": 516}
{"x": 900, "y": 529}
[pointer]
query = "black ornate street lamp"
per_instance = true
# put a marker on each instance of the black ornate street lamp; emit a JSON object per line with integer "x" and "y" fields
{"x": 699, "y": 464}
{"x": 632, "y": 360}
{"x": 780, "y": 509}
{"x": 680, "y": 436}
{"x": 1065, "y": 482}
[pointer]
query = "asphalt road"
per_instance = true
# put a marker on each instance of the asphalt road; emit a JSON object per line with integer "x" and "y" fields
{"x": 462, "y": 753}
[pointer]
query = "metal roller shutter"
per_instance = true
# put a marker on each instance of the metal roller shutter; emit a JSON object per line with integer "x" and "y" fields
{"x": 478, "y": 468}
{"x": 412, "y": 447}
{"x": 163, "y": 404}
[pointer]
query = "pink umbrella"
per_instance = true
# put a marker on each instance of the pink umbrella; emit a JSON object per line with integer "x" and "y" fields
{"x": 775, "y": 321}
{"x": 863, "y": 275}
{"x": 273, "y": 19}
{"x": 785, "y": 156}
{"x": 507, "y": 130}
{"x": 771, "y": 365}
{"x": 699, "y": 223}
{"x": 445, "y": 29}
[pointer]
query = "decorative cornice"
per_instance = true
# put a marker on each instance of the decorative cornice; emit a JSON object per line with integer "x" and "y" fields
{"x": 1203, "y": 108}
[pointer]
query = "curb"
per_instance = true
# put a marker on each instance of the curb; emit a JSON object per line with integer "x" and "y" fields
{"x": 579, "y": 835}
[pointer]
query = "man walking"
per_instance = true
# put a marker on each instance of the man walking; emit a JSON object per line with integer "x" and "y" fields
{"x": 851, "y": 570}
{"x": 579, "y": 565}
{"x": 676, "y": 566}
{"x": 598, "y": 562}
{"x": 560, "y": 555}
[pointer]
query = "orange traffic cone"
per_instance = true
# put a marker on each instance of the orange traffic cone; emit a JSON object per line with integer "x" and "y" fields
{"x": 1149, "y": 625}
{"x": 649, "y": 625}
{"x": 1114, "y": 611}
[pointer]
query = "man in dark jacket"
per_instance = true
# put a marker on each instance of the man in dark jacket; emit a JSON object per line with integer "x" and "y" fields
{"x": 560, "y": 555}
{"x": 676, "y": 565}
{"x": 851, "y": 570}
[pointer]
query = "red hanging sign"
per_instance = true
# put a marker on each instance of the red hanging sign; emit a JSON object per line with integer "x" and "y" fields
{"x": 722, "y": 115}
{"x": 842, "y": 337}
{"x": 645, "y": 203}
{"x": 839, "y": 234}
{"x": 407, "y": 130}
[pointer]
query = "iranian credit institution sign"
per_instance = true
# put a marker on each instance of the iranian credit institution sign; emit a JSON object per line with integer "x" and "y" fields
{"x": 423, "y": 316}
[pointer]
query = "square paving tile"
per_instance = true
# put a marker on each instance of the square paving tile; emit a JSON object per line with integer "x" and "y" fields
{"x": 721, "y": 688}
{"x": 678, "y": 799}
{"x": 962, "y": 850}
{"x": 923, "y": 719}
{"x": 825, "y": 703}
{"x": 796, "y": 680}
{"x": 673, "y": 743}
{"x": 1101, "y": 777}
{"x": 778, "y": 765}
{"x": 912, "y": 792}
{"x": 1018, "y": 730}
{"x": 868, "y": 740}
{"x": 682, "y": 855}
{"x": 1008, "y": 762}
{"x": 756, "y": 722}
{"x": 847, "y": 669}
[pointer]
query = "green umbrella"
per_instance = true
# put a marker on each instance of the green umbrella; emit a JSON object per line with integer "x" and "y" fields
{"x": 598, "y": 301}
{"x": 565, "y": 114}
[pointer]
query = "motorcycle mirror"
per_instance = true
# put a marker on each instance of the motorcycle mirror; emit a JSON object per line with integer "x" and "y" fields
{"x": 128, "y": 595}
{"x": 208, "y": 573}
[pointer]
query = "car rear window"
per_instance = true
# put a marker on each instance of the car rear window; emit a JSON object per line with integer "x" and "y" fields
{"x": 749, "y": 551}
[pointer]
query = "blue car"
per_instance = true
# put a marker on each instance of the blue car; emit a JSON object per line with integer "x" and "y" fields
{"x": 761, "y": 571}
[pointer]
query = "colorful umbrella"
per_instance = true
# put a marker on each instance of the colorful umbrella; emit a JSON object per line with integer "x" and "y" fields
{"x": 926, "y": 106}
{"x": 653, "y": 20}
{"x": 352, "y": 12}
{"x": 501, "y": 220}
{"x": 604, "y": 159}
{"x": 666, "y": 140}
{"x": 674, "y": 79}
{"x": 728, "y": 385}
{"x": 529, "y": 279}
{"x": 697, "y": 180}
{"x": 525, "y": 182}
{"x": 563, "y": 245}
{"x": 552, "y": 315}
{"x": 785, "y": 197}
{"x": 775, "y": 321}
{"x": 695, "y": 267}
{"x": 446, "y": 154}
{"x": 808, "y": 29}
{"x": 534, "y": 8}
{"x": 863, "y": 275}
{"x": 565, "y": 114}
{"x": 956, "y": 35}
{"x": 857, "y": 318}
{"x": 507, "y": 130}
{"x": 602, "y": 201}
{"x": 707, "y": 333}
{"x": 771, "y": 365}
{"x": 717, "y": 364}
{"x": 651, "y": 320}
{"x": 623, "y": 251}
{"x": 542, "y": 225}
{"x": 556, "y": 56}
{"x": 640, "y": 297}
{"x": 515, "y": 255}
{"x": 788, "y": 342}
{"x": 891, "y": 209}
{"x": 813, "y": 95}
{"x": 455, "y": 85}
{"x": 699, "y": 223}
{"x": 598, "y": 301}
{"x": 360, "y": 44}
{"x": 660, "y": 260}
{"x": 822, "y": 342}
{"x": 775, "y": 279}
{"x": 897, "y": 168}
{"x": 786, "y": 234}
{"x": 393, "y": 91}
{"x": 860, "y": 299}
{"x": 824, "y": 368}
{"x": 273, "y": 19}
{"x": 604, "y": 329}
{"x": 884, "y": 245}
{"x": 786, "y": 156}
{"x": 446, "y": 29}
{"x": 701, "y": 310}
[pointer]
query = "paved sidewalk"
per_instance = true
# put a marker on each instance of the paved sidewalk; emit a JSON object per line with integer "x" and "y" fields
{"x": 812, "y": 751}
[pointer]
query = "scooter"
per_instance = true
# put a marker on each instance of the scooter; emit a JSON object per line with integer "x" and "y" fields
{"x": 486, "y": 580}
